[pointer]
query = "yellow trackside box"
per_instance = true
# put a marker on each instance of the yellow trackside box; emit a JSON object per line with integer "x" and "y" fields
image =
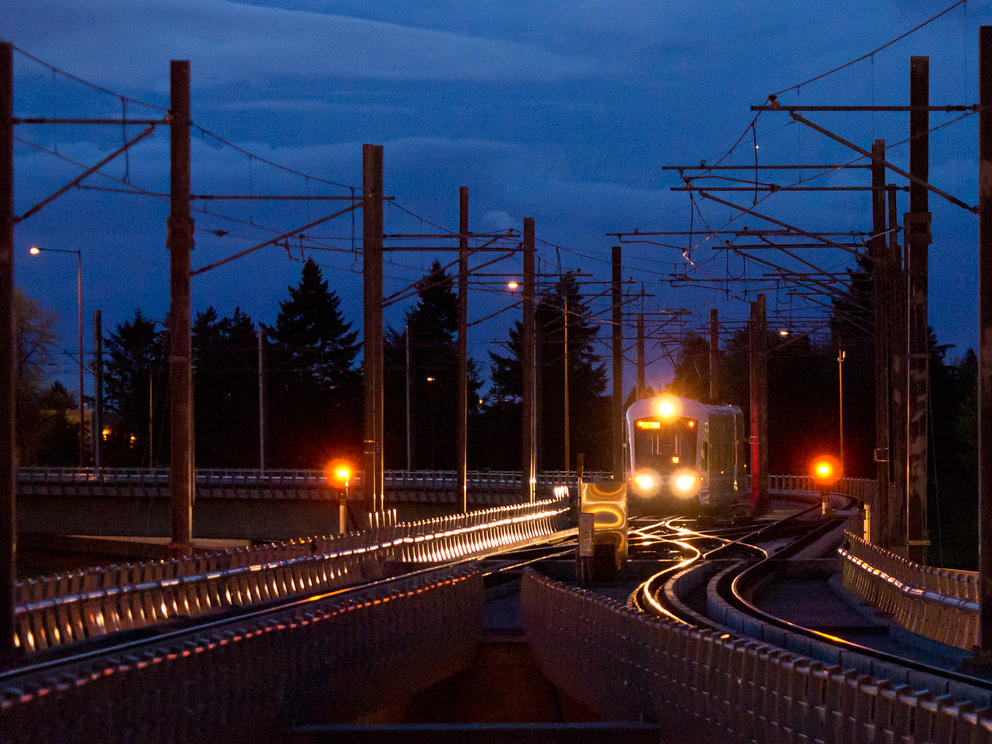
{"x": 607, "y": 502}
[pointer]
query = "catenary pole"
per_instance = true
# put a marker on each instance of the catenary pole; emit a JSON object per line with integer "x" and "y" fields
{"x": 461, "y": 453}
{"x": 917, "y": 226}
{"x": 8, "y": 359}
{"x": 640, "y": 392}
{"x": 180, "y": 243}
{"x": 97, "y": 388}
{"x": 528, "y": 358}
{"x": 372, "y": 284}
{"x": 714, "y": 356}
{"x": 985, "y": 342}
{"x": 618, "y": 464}
{"x": 759, "y": 403}
{"x": 880, "y": 305}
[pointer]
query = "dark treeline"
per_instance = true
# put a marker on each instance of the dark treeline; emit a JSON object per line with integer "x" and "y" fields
{"x": 314, "y": 401}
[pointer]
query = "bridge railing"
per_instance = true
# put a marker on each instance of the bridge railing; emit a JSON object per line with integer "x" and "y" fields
{"x": 714, "y": 687}
{"x": 85, "y": 604}
{"x": 338, "y": 657}
{"x": 938, "y": 603}
{"x": 290, "y": 477}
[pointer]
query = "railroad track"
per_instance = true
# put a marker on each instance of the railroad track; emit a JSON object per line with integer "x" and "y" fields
{"x": 723, "y": 579}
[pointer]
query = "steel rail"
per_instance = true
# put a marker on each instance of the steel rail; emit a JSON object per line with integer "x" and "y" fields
{"x": 733, "y": 585}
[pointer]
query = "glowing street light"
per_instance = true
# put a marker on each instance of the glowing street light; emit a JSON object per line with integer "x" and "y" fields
{"x": 34, "y": 251}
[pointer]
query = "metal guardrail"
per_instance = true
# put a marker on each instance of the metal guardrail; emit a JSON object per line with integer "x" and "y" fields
{"x": 84, "y": 604}
{"x": 938, "y": 603}
{"x": 244, "y": 681}
{"x": 292, "y": 477}
{"x": 715, "y": 688}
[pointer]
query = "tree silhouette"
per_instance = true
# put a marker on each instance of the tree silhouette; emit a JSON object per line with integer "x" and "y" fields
{"x": 225, "y": 385}
{"x": 312, "y": 381}
{"x": 432, "y": 326}
{"x": 136, "y": 386}
{"x": 589, "y": 413}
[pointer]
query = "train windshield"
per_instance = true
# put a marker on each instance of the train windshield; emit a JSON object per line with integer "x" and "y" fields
{"x": 665, "y": 446}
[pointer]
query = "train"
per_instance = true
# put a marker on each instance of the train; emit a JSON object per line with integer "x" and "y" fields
{"x": 686, "y": 457}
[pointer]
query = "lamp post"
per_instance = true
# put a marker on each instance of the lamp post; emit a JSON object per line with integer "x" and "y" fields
{"x": 841, "y": 356}
{"x": 35, "y": 250}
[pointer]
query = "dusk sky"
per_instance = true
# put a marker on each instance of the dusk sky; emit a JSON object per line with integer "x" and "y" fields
{"x": 561, "y": 111}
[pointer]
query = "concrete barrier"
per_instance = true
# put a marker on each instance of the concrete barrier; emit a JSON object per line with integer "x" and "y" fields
{"x": 938, "y": 603}
{"x": 717, "y": 688}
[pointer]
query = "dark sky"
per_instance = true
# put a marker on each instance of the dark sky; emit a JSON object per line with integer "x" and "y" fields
{"x": 561, "y": 111}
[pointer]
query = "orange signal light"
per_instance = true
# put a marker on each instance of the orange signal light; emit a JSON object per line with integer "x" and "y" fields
{"x": 826, "y": 470}
{"x": 338, "y": 472}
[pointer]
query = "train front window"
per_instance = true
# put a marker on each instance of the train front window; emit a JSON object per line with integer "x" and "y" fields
{"x": 665, "y": 446}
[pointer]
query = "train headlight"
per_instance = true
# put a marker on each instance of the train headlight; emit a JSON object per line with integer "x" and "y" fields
{"x": 685, "y": 484}
{"x": 668, "y": 407}
{"x": 646, "y": 484}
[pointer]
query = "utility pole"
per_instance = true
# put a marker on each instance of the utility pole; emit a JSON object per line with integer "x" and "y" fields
{"x": 899, "y": 340}
{"x": 529, "y": 413}
{"x": 917, "y": 225}
{"x": 261, "y": 398}
{"x": 98, "y": 389}
{"x": 617, "y": 407}
{"x": 639, "y": 392}
{"x": 985, "y": 345}
{"x": 372, "y": 481}
{"x": 880, "y": 273}
{"x": 841, "y": 356}
{"x": 714, "y": 356}
{"x": 565, "y": 426}
{"x": 8, "y": 357}
{"x": 759, "y": 404}
{"x": 462, "y": 411}
{"x": 180, "y": 243}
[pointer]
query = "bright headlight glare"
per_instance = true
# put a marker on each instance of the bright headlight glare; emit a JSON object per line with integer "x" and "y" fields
{"x": 685, "y": 484}
{"x": 645, "y": 482}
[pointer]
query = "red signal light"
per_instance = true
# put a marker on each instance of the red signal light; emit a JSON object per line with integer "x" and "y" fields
{"x": 826, "y": 470}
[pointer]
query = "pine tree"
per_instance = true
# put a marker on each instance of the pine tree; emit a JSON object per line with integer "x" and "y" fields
{"x": 589, "y": 422}
{"x": 225, "y": 386}
{"x": 312, "y": 381}
{"x": 432, "y": 326}
{"x": 135, "y": 385}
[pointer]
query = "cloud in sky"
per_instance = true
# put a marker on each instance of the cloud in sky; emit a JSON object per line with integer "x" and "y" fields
{"x": 236, "y": 43}
{"x": 563, "y": 111}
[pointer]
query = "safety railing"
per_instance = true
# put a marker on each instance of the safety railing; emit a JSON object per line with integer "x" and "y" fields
{"x": 938, "y": 603}
{"x": 84, "y": 604}
{"x": 291, "y": 477}
{"x": 716, "y": 688}
{"x": 245, "y": 681}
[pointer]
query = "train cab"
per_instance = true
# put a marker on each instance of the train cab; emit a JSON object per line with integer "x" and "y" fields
{"x": 683, "y": 456}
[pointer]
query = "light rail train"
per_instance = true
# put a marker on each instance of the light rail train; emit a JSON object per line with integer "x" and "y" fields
{"x": 685, "y": 457}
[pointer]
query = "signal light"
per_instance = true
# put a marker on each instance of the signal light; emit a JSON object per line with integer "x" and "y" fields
{"x": 826, "y": 470}
{"x": 338, "y": 473}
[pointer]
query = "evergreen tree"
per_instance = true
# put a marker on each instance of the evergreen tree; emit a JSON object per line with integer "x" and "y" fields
{"x": 225, "y": 385}
{"x": 692, "y": 370}
{"x": 312, "y": 382}
{"x": 135, "y": 387}
{"x": 61, "y": 438}
{"x": 589, "y": 422}
{"x": 432, "y": 327}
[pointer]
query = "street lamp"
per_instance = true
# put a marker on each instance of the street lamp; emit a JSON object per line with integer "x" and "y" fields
{"x": 35, "y": 250}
